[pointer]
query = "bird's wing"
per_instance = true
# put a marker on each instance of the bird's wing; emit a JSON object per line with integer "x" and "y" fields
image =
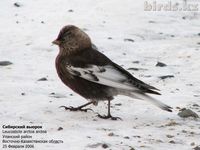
{"x": 106, "y": 75}
{"x": 94, "y": 66}
{"x": 136, "y": 82}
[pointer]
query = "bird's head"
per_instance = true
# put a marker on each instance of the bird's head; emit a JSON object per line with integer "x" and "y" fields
{"x": 71, "y": 39}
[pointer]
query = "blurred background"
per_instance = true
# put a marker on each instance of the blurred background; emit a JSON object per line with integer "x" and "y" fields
{"x": 158, "y": 41}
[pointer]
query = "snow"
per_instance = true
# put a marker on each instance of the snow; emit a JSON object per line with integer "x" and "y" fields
{"x": 26, "y": 33}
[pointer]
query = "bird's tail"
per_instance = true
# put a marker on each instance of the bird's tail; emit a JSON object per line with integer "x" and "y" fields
{"x": 150, "y": 99}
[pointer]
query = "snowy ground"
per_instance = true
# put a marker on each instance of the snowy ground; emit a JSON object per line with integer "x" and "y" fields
{"x": 26, "y": 33}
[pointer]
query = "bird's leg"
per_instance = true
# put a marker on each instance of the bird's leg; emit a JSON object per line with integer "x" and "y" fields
{"x": 79, "y": 108}
{"x": 108, "y": 116}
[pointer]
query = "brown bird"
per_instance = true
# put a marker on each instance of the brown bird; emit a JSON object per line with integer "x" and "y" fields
{"x": 94, "y": 76}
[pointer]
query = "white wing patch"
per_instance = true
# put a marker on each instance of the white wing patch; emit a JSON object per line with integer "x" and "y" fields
{"x": 106, "y": 75}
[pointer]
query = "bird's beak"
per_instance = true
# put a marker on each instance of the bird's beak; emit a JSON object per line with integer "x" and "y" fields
{"x": 56, "y": 42}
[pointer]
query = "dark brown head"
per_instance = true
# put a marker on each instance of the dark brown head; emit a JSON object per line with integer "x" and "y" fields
{"x": 72, "y": 39}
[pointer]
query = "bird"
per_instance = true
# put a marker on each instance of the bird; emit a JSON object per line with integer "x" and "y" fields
{"x": 91, "y": 74}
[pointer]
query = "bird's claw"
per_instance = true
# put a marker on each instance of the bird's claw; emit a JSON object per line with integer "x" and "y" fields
{"x": 108, "y": 117}
{"x": 75, "y": 108}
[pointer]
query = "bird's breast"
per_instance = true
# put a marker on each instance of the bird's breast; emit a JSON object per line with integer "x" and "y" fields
{"x": 62, "y": 70}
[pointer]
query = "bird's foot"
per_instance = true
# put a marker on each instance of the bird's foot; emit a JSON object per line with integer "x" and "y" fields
{"x": 75, "y": 108}
{"x": 108, "y": 117}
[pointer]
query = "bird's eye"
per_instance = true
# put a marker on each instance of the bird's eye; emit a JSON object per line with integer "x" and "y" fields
{"x": 67, "y": 33}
